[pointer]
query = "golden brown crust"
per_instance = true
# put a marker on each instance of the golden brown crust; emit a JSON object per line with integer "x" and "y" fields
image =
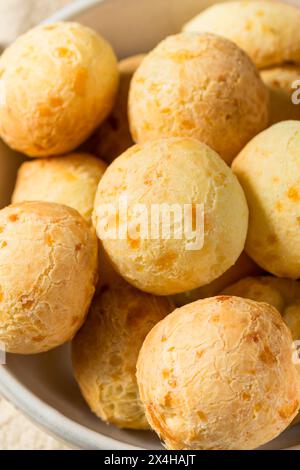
{"x": 58, "y": 83}
{"x": 106, "y": 349}
{"x": 283, "y": 294}
{"x": 281, "y": 82}
{"x": 268, "y": 170}
{"x": 218, "y": 374}
{"x": 267, "y": 31}
{"x": 148, "y": 174}
{"x": 108, "y": 275}
{"x": 48, "y": 263}
{"x": 71, "y": 180}
{"x": 200, "y": 86}
{"x": 113, "y": 136}
{"x": 242, "y": 268}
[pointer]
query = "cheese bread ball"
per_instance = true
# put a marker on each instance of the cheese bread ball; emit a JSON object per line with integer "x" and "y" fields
{"x": 242, "y": 268}
{"x": 58, "y": 83}
{"x": 218, "y": 374}
{"x": 283, "y": 83}
{"x": 268, "y": 168}
{"x": 113, "y": 137}
{"x": 283, "y": 294}
{"x": 71, "y": 180}
{"x": 48, "y": 263}
{"x": 106, "y": 349}
{"x": 267, "y": 31}
{"x": 186, "y": 214}
{"x": 200, "y": 86}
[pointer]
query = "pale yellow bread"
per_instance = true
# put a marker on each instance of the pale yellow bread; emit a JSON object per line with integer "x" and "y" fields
{"x": 48, "y": 272}
{"x": 58, "y": 83}
{"x": 71, "y": 180}
{"x": 283, "y": 294}
{"x": 268, "y": 169}
{"x": 166, "y": 172}
{"x": 201, "y": 86}
{"x": 218, "y": 374}
{"x": 243, "y": 267}
{"x": 283, "y": 83}
{"x": 267, "y": 30}
{"x": 106, "y": 349}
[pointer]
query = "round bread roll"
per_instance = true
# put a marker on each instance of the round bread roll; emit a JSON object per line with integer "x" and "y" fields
{"x": 162, "y": 248}
{"x": 218, "y": 374}
{"x": 283, "y": 83}
{"x": 58, "y": 83}
{"x": 200, "y": 86}
{"x": 268, "y": 169}
{"x": 268, "y": 31}
{"x": 71, "y": 180}
{"x": 283, "y": 294}
{"x": 113, "y": 137}
{"x": 106, "y": 349}
{"x": 48, "y": 264}
{"x": 242, "y": 268}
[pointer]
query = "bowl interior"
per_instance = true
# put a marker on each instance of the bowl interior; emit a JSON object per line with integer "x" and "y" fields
{"x": 43, "y": 386}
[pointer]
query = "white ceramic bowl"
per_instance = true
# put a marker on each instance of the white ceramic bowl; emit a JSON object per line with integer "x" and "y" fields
{"x": 42, "y": 386}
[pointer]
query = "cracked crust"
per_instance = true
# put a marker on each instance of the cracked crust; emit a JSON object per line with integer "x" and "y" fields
{"x": 268, "y": 169}
{"x": 283, "y": 294}
{"x": 106, "y": 349}
{"x": 58, "y": 84}
{"x": 71, "y": 180}
{"x": 218, "y": 374}
{"x": 48, "y": 265}
{"x": 267, "y": 31}
{"x": 173, "y": 171}
{"x": 200, "y": 86}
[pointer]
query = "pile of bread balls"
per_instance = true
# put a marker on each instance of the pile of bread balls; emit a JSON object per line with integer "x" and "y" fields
{"x": 197, "y": 345}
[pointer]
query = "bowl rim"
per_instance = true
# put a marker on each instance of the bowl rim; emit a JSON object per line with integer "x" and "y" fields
{"x": 44, "y": 415}
{"x": 53, "y": 421}
{"x": 73, "y": 9}
{"x": 56, "y": 423}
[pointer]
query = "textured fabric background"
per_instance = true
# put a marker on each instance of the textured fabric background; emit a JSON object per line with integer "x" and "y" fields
{"x": 17, "y": 16}
{"x": 16, "y": 431}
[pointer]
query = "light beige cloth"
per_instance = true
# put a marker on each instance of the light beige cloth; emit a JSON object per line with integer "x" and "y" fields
{"x": 16, "y": 431}
{"x": 17, "y": 16}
